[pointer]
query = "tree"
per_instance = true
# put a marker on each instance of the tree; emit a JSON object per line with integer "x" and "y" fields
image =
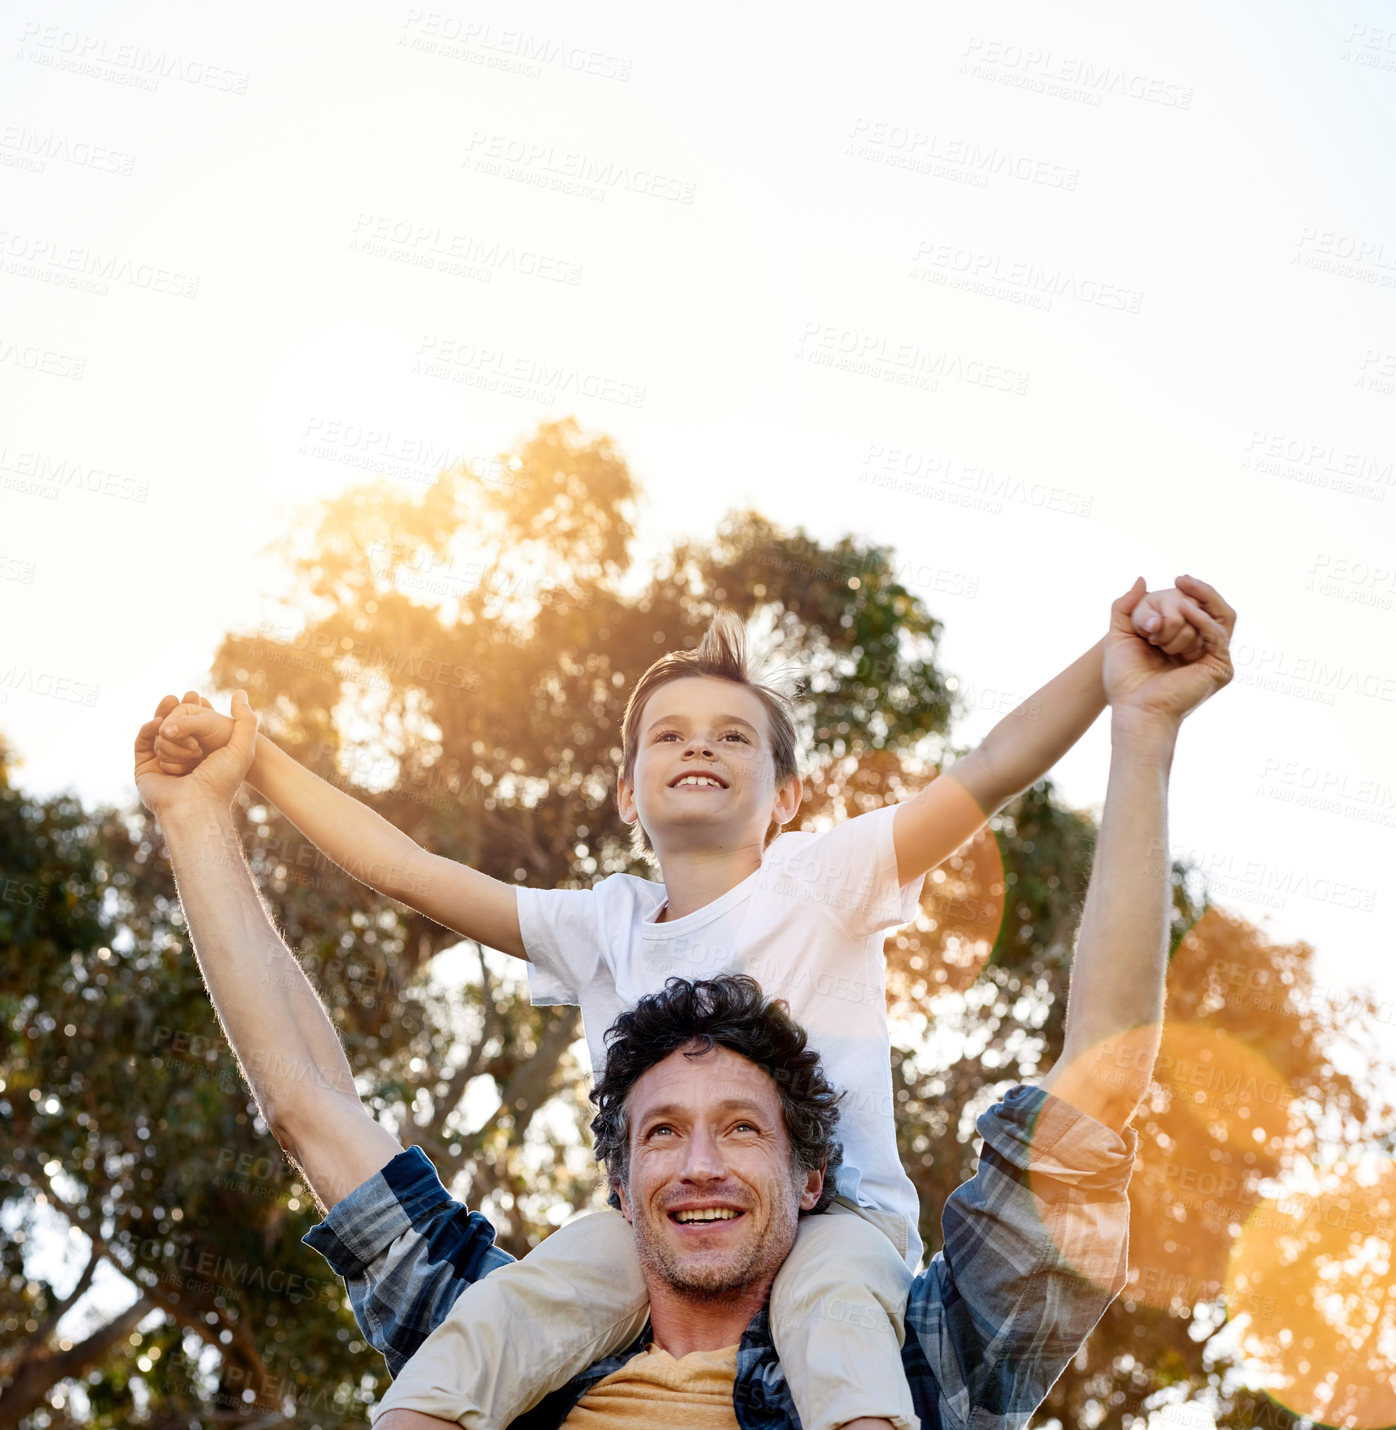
{"x": 460, "y": 660}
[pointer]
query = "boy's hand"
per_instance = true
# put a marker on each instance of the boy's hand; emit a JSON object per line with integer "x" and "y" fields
{"x": 1142, "y": 678}
{"x": 1172, "y": 622}
{"x": 218, "y": 777}
{"x": 192, "y": 730}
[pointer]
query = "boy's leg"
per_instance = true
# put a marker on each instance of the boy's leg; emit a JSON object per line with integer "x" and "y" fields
{"x": 529, "y": 1327}
{"x": 838, "y": 1310}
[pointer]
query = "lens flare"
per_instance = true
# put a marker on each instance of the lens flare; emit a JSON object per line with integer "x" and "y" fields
{"x": 1211, "y": 1126}
{"x": 1312, "y": 1286}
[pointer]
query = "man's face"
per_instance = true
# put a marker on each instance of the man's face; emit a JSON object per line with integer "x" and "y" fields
{"x": 713, "y": 1194}
{"x": 704, "y": 773}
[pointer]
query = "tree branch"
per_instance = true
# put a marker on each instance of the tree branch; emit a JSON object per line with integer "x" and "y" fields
{"x": 42, "y": 1370}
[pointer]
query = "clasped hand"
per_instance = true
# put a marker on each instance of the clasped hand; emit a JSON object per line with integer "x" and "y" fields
{"x": 214, "y": 779}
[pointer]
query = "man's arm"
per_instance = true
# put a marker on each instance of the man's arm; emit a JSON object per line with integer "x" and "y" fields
{"x": 405, "y": 1248}
{"x": 359, "y": 840}
{"x": 273, "y": 1019}
{"x": 1114, "y": 1014}
{"x": 1030, "y": 739}
{"x": 1034, "y": 1252}
{"x": 1114, "y": 1017}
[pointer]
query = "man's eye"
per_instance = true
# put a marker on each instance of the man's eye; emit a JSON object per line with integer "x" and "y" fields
{"x": 656, "y": 1131}
{"x": 746, "y": 1127}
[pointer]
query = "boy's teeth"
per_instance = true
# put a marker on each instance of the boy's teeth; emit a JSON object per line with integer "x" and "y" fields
{"x": 712, "y": 1214}
{"x": 699, "y": 780}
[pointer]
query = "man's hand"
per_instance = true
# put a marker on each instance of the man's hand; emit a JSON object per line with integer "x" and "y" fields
{"x": 1171, "y": 621}
{"x": 1143, "y": 678}
{"x": 217, "y": 777}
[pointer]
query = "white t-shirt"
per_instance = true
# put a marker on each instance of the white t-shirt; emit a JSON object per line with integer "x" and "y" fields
{"x": 808, "y": 926}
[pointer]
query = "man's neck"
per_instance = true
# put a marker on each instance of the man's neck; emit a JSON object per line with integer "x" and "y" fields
{"x": 694, "y": 878}
{"x": 684, "y": 1323}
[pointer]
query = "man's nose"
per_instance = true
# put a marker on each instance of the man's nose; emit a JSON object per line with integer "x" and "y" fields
{"x": 703, "y": 1160}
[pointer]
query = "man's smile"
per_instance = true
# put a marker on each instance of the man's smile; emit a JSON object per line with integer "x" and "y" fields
{"x": 689, "y": 1216}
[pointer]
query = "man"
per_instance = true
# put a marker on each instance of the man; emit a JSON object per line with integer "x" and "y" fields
{"x": 1034, "y": 1244}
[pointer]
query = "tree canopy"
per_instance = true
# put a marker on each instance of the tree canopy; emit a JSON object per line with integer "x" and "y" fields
{"x": 459, "y": 657}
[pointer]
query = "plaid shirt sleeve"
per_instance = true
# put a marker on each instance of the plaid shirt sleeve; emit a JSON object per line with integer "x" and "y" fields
{"x": 406, "y": 1249}
{"x": 1035, "y": 1248}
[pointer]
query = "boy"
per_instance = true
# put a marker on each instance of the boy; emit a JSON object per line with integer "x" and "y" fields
{"x": 708, "y": 777}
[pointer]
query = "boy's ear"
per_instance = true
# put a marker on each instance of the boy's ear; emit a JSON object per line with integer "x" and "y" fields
{"x": 625, "y": 800}
{"x": 788, "y": 798}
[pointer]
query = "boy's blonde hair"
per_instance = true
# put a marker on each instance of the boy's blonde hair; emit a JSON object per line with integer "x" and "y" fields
{"x": 721, "y": 653}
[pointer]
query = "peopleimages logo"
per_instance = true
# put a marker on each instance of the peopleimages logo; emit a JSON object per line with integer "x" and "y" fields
{"x": 946, "y": 156}
{"x": 905, "y": 364}
{"x": 518, "y": 375}
{"x": 100, "y": 57}
{"x": 1066, "y": 76}
{"x": 992, "y": 275}
{"x": 569, "y": 170}
{"x": 52, "y": 260}
{"x": 22, "y": 147}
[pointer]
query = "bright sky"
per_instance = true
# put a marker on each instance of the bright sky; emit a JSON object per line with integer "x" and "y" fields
{"x": 1044, "y": 300}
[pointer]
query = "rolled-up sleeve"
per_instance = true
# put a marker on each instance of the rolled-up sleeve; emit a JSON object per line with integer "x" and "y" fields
{"x": 406, "y": 1249}
{"x": 1035, "y": 1248}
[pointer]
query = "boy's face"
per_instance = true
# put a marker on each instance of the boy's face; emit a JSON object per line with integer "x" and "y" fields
{"x": 704, "y": 776}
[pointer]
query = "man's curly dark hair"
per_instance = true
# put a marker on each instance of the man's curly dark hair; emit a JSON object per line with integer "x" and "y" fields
{"x": 727, "y": 1012}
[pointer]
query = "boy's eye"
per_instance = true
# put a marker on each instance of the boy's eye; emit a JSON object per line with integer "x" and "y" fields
{"x": 735, "y": 735}
{"x": 667, "y": 735}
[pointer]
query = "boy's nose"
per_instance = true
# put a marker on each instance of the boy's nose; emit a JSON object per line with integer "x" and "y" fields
{"x": 699, "y": 746}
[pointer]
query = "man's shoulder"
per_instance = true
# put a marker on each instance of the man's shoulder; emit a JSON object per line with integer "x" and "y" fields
{"x": 406, "y": 1249}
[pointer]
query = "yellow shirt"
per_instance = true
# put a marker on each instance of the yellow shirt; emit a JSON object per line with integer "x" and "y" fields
{"x": 652, "y": 1388}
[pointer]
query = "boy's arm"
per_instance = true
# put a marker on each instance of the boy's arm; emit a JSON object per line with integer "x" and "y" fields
{"x": 1031, "y": 738}
{"x": 359, "y": 840}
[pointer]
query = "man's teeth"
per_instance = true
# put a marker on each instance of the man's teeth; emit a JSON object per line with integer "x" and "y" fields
{"x": 709, "y": 1214}
{"x": 698, "y": 780}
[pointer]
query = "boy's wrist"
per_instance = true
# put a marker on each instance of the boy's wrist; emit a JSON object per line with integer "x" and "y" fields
{"x": 262, "y": 753}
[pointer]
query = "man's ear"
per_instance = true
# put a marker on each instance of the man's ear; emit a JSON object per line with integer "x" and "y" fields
{"x": 624, "y": 1201}
{"x": 814, "y": 1189}
{"x": 625, "y": 800}
{"x": 788, "y": 798}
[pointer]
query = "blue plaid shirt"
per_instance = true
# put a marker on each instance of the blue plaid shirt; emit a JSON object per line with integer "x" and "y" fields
{"x": 1035, "y": 1249}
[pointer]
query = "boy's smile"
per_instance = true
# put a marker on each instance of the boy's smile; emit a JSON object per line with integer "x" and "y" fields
{"x": 698, "y": 779}
{"x": 704, "y": 775}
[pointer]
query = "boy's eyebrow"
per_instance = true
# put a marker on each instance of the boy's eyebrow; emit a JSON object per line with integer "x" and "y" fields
{"x": 721, "y": 720}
